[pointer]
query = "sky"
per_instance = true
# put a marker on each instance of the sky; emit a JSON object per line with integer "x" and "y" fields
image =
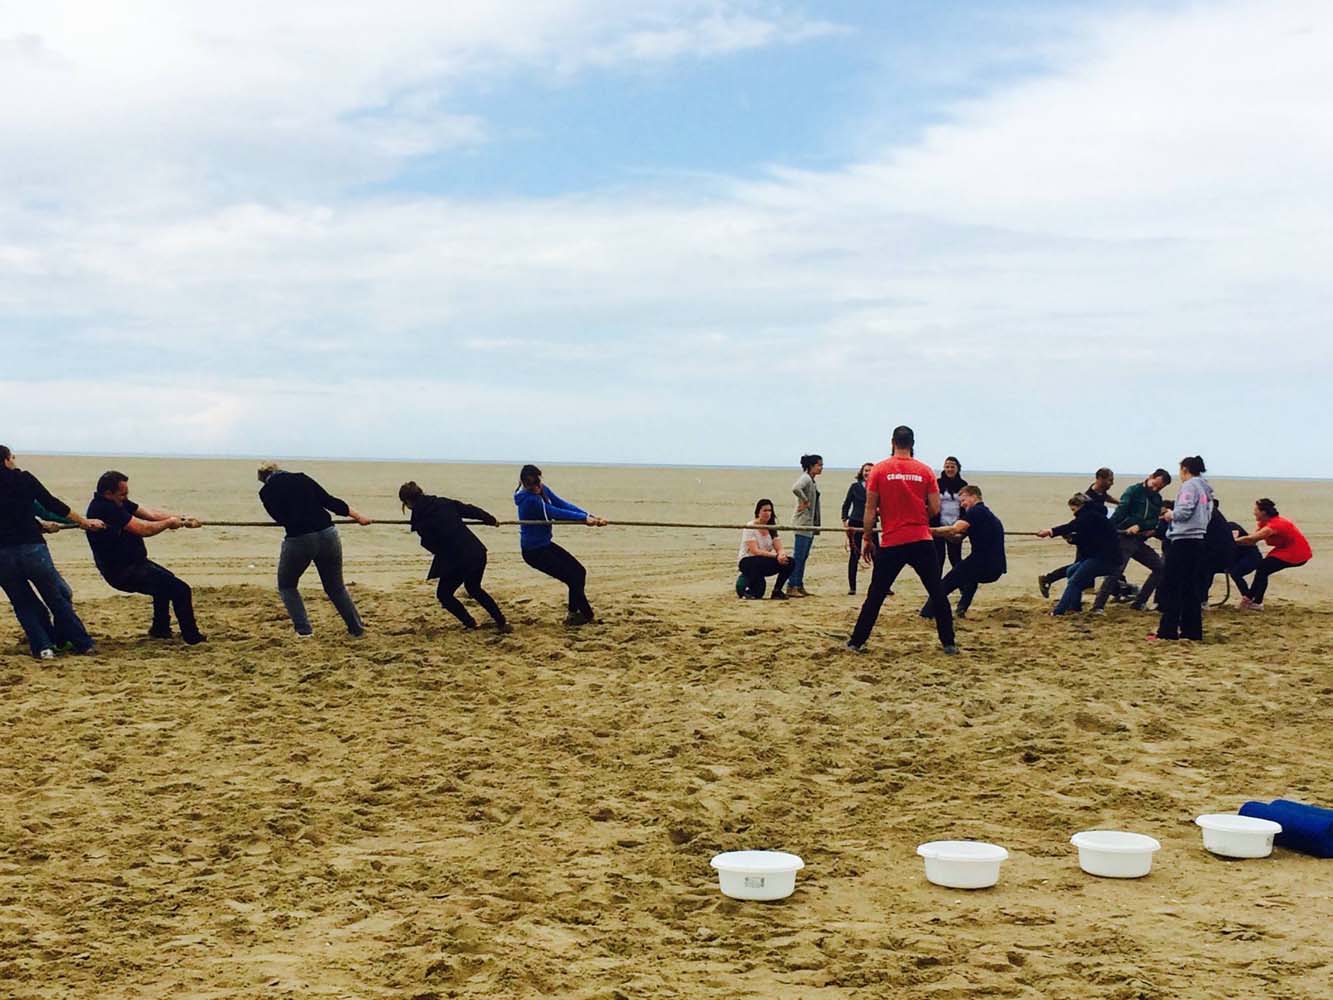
{"x": 1048, "y": 235}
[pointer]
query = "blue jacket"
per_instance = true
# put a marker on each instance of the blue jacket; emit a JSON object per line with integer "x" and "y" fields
{"x": 543, "y": 506}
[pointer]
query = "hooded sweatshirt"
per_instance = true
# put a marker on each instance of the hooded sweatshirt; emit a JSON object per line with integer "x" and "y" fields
{"x": 1193, "y": 510}
{"x": 543, "y": 506}
{"x": 439, "y": 522}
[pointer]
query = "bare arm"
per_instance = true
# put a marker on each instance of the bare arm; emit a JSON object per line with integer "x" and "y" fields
{"x": 147, "y": 529}
{"x": 956, "y": 530}
{"x": 1254, "y": 538}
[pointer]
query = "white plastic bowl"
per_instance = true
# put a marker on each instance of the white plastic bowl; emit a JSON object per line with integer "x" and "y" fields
{"x": 1234, "y": 836}
{"x": 962, "y": 864}
{"x": 1115, "y": 854}
{"x": 757, "y": 874}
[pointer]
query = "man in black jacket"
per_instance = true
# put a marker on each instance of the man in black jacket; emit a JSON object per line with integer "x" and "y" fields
{"x": 302, "y": 506}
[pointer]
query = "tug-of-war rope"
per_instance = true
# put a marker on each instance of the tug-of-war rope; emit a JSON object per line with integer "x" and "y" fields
{"x": 204, "y": 523}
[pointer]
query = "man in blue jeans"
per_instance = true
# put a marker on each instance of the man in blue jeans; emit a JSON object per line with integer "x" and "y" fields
{"x": 25, "y": 564}
{"x": 1097, "y": 549}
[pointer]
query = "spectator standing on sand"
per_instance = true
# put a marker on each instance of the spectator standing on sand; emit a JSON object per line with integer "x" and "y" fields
{"x": 985, "y": 563}
{"x": 41, "y": 599}
{"x": 122, "y": 557}
{"x": 538, "y": 502}
{"x": 761, "y": 556}
{"x": 1096, "y": 549}
{"x": 902, "y": 496}
{"x": 1136, "y": 518}
{"x": 853, "y": 506}
{"x": 460, "y": 557}
{"x": 302, "y": 507}
{"x": 1182, "y": 616}
{"x": 950, "y": 483}
{"x": 1288, "y": 550}
{"x": 806, "y": 515}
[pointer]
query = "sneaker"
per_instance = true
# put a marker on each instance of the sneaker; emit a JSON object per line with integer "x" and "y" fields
{"x": 950, "y": 650}
{"x": 1246, "y": 603}
{"x": 853, "y": 648}
{"x": 1253, "y": 607}
{"x": 89, "y": 651}
{"x": 504, "y": 628}
{"x": 851, "y": 593}
{"x": 1099, "y": 611}
{"x": 747, "y": 596}
{"x": 740, "y": 585}
{"x": 160, "y": 633}
{"x": 777, "y": 595}
{"x": 1044, "y": 587}
{"x": 194, "y": 639}
{"x": 307, "y": 634}
{"x": 46, "y": 654}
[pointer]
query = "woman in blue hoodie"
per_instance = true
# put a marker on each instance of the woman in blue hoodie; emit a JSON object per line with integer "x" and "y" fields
{"x": 537, "y": 502}
{"x": 1182, "y": 615}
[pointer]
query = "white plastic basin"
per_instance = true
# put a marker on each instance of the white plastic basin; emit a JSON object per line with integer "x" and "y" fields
{"x": 1115, "y": 854}
{"x": 962, "y": 864}
{"x": 1234, "y": 836}
{"x": 757, "y": 874}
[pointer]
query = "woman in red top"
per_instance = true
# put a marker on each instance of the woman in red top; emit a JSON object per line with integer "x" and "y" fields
{"x": 1288, "y": 548}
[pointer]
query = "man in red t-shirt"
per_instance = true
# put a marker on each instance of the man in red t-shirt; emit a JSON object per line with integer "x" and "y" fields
{"x": 904, "y": 495}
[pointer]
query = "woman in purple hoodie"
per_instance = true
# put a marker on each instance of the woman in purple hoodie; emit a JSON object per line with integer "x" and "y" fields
{"x": 537, "y": 502}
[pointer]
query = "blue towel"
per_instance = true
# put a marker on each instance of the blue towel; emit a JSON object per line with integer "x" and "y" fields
{"x": 1305, "y": 828}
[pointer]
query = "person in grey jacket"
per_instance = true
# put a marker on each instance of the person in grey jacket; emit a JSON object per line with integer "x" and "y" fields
{"x": 806, "y": 515}
{"x": 1182, "y": 616}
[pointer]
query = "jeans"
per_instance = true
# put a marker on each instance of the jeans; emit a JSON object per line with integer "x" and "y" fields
{"x": 1136, "y": 548}
{"x": 756, "y": 568}
{"x": 1247, "y": 560}
{"x": 1082, "y": 575}
{"x": 798, "y": 558}
{"x": 555, "y": 561}
{"x": 964, "y": 578}
{"x": 889, "y": 562}
{"x": 25, "y": 568}
{"x": 470, "y": 579}
{"x": 325, "y": 549}
{"x": 166, "y": 589}
{"x": 1182, "y": 616}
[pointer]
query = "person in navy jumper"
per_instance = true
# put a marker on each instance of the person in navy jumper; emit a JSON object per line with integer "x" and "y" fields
{"x": 538, "y": 502}
{"x": 985, "y": 564}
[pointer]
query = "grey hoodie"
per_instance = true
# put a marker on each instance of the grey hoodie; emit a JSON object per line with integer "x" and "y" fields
{"x": 806, "y": 490}
{"x": 1194, "y": 509}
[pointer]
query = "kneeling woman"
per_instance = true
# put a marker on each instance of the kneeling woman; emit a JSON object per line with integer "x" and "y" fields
{"x": 761, "y": 556}
{"x": 460, "y": 558}
{"x": 538, "y": 502}
{"x": 1288, "y": 550}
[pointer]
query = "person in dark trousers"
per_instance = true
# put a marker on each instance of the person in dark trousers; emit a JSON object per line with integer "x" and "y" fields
{"x": 41, "y": 599}
{"x": 1096, "y": 548}
{"x": 122, "y": 557}
{"x": 986, "y": 562}
{"x": 853, "y": 506}
{"x": 1289, "y": 549}
{"x": 950, "y": 482}
{"x": 460, "y": 558}
{"x": 302, "y": 507}
{"x": 1245, "y": 560}
{"x": 538, "y": 502}
{"x": 1182, "y": 615}
{"x": 761, "y": 555}
{"x": 902, "y": 496}
{"x": 1099, "y": 494}
{"x": 1136, "y": 518}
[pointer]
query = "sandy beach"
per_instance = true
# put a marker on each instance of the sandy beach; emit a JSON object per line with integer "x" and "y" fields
{"x": 427, "y": 813}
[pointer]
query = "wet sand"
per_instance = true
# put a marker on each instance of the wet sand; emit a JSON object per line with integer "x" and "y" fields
{"x": 431, "y": 813}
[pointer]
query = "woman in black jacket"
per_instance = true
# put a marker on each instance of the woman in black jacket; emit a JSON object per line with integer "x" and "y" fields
{"x": 460, "y": 558}
{"x": 853, "y": 507}
{"x": 1097, "y": 546}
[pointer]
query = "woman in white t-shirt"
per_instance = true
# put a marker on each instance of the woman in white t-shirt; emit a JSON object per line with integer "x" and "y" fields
{"x": 761, "y": 556}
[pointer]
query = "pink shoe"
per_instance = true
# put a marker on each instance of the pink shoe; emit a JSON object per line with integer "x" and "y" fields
{"x": 1246, "y": 603}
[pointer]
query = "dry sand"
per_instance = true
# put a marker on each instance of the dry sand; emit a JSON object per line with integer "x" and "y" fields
{"x": 428, "y": 813}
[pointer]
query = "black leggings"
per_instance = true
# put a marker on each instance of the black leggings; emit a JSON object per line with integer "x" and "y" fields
{"x": 1267, "y": 568}
{"x": 756, "y": 568}
{"x": 854, "y": 557}
{"x": 470, "y": 579}
{"x": 555, "y": 561}
{"x": 1182, "y": 615}
{"x": 166, "y": 589}
{"x": 889, "y": 562}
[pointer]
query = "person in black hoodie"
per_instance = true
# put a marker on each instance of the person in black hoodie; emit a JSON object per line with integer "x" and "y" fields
{"x": 460, "y": 558}
{"x": 1097, "y": 548}
{"x": 26, "y": 566}
{"x": 853, "y": 506}
{"x": 302, "y": 506}
{"x": 1099, "y": 494}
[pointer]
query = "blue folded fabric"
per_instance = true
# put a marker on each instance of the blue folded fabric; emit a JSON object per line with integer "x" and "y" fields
{"x": 1305, "y": 828}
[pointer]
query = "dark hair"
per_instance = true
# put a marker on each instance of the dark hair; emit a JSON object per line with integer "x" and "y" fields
{"x": 1104, "y": 473}
{"x": 808, "y": 462}
{"x": 903, "y": 437}
{"x": 529, "y": 474}
{"x": 1078, "y": 500}
{"x": 972, "y": 491}
{"x": 765, "y": 502}
{"x": 1194, "y": 464}
{"x": 1267, "y": 506}
{"x": 950, "y": 458}
{"x": 861, "y": 474}
{"x": 409, "y": 493}
{"x": 5, "y": 453}
{"x": 1163, "y": 475}
{"x": 108, "y": 481}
